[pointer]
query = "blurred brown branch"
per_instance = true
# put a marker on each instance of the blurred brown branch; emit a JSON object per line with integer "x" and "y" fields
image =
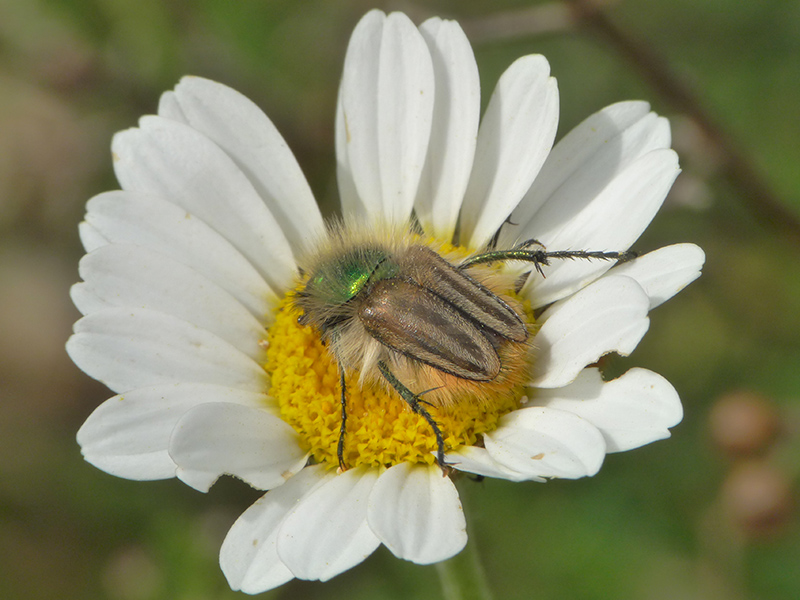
{"x": 758, "y": 195}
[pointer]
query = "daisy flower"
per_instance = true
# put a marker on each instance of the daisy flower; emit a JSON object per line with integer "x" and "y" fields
{"x": 196, "y": 271}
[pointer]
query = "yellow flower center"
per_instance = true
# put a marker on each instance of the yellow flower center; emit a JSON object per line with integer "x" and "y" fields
{"x": 381, "y": 428}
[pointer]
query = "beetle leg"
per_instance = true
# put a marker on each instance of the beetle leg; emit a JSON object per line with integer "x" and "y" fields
{"x": 343, "y": 426}
{"x": 539, "y": 256}
{"x": 415, "y": 402}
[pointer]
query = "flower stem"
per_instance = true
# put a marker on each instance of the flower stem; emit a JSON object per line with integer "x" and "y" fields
{"x": 463, "y": 576}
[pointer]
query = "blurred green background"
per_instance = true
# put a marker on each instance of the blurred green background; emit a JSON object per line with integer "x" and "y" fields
{"x": 709, "y": 514}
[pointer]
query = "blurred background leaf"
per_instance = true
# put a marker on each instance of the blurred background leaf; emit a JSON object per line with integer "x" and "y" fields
{"x": 699, "y": 516}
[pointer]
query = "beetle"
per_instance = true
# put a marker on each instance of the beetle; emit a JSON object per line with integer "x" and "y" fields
{"x": 400, "y": 311}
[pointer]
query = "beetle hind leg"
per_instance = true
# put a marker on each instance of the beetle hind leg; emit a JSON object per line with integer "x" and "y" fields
{"x": 533, "y": 252}
{"x": 416, "y": 403}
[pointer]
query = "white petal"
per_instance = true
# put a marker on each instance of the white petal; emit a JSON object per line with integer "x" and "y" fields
{"x": 473, "y": 459}
{"x": 171, "y": 160}
{"x": 352, "y": 206}
{"x": 91, "y": 238}
{"x": 240, "y": 128}
{"x": 85, "y": 299}
{"x": 636, "y": 409}
{"x": 613, "y": 220}
{"x": 416, "y": 513}
{"x": 128, "y": 435}
{"x": 250, "y": 443}
{"x": 456, "y": 113}
{"x": 387, "y": 94}
{"x": 131, "y": 218}
{"x": 327, "y": 533}
{"x": 542, "y": 442}
{"x": 129, "y": 348}
{"x": 135, "y": 276}
{"x": 170, "y": 108}
{"x": 608, "y": 316}
{"x": 515, "y": 137}
{"x": 666, "y": 271}
{"x": 583, "y": 162}
{"x": 249, "y": 557}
